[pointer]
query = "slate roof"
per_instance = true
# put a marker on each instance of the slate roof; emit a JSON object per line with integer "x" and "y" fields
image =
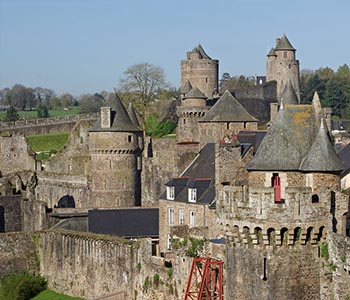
{"x": 200, "y": 175}
{"x": 341, "y": 125}
{"x": 132, "y": 115}
{"x": 253, "y": 138}
{"x": 290, "y": 142}
{"x": 120, "y": 118}
{"x": 125, "y": 222}
{"x": 344, "y": 156}
{"x": 228, "y": 109}
{"x": 272, "y": 52}
{"x": 322, "y": 156}
{"x": 186, "y": 88}
{"x": 284, "y": 44}
{"x": 288, "y": 95}
{"x": 195, "y": 93}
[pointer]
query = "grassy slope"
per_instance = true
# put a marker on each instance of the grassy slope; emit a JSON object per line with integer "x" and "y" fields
{"x": 52, "y": 113}
{"x": 48, "y": 142}
{"x": 51, "y": 295}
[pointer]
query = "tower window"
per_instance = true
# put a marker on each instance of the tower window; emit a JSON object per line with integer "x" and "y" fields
{"x": 289, "y": 66}
{"x": 184, "y": 121}
{"x": 129, "y": 138}
{"x": 276, "y": 184}
{"x": 206, "y": 79}
{"x": 285, "y": 54}
{"x": 315, "y": 198}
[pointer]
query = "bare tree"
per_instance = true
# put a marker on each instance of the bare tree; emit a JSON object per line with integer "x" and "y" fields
{"x": 143, "y": 79}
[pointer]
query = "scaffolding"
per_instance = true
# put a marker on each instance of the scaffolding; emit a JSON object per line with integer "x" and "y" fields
{"x": 206, "y": 280}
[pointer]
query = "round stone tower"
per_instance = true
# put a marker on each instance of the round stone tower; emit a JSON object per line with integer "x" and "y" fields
{"x": 115, "y": 144}
{"x": 201, "y": 71}
{"x": 193, "y": 107}
{"x": 282, "y": 66}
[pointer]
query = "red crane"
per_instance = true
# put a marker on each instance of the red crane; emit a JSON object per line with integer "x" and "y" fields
{"x": 205, "y": 282}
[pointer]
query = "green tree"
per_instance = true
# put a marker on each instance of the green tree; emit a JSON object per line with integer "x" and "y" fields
{"x": 336, "y": 97}
{"x": 90, "y": 103}
{"x": 43, "y": 111}
{"x": 11, "y": 114}
{"x": 21, "y": 97}
{"x": 309, "y": 86}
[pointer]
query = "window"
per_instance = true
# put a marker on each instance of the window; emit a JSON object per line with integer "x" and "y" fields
{"x": 192, "y": 195}
{"x": 129, "y": 138}
{"x": 285, "y": 54}
{"x": 181, "y": 217}
{"x": 171, "y": 216}
{"x": 169, "y": 243}
{"x": 276, "y": 184}
{"x": 170, "y": 192}
{"x": 192, "y": 218}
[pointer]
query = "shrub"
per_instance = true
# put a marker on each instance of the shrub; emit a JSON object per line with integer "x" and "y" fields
{"x": 22, "y": 286}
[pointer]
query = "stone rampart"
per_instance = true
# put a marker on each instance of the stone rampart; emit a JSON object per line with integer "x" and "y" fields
{"x": 17, "y": 253}
{"x": 44, "y": 126}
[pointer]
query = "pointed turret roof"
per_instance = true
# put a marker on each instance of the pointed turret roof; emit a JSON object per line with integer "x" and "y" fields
{"x": 228, "y": 109}
{"x": 195, "y": 93}
{"x": 272, "y": 52}
{"x": 316, "y": 104}
{"x": 284, "y": 44}
{"x": 132, "y": 115}
{"x": 289, "y": 96}
{"x": 322, "y": 156}
{"x": 120, "y": 120}
{"x": 186, "y": 88}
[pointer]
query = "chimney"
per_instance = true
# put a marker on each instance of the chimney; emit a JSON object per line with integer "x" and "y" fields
{"x": 106, "y": 117}
{"x": 277, "y": 41}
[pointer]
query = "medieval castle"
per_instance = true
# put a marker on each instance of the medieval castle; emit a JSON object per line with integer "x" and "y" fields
{"x": 269, "y": 204}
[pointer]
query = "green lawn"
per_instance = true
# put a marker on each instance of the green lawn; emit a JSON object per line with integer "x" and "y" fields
{"x": 51, "y": 295}
{"x": 32, "y": 114}
{"x": 52, "y": 142}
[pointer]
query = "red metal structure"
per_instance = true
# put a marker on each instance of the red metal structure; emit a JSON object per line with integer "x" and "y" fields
{"x": 205, "y": 282}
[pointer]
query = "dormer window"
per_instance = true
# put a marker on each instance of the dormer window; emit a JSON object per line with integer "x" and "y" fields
{"x": 170, "y": 192}
{"x": 192, "y": 195}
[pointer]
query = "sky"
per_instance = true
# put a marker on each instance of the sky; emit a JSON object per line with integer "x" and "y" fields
{"x": 84, "y": 46}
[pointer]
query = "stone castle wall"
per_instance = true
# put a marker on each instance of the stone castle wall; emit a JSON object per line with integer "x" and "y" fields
{"x": 214, "y": 132}
{"x": 14, "y": 154}
{"x": 10, "y": 213}
{"x": 164, "y": 159}
{"x": 44, "y": 126}
{"x": 17, "y": 253}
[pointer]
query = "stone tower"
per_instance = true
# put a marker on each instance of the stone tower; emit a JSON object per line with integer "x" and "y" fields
{"x": 282, "y": 66}
{"x": 193, "y": 107}
{"x": 115, "y": 146}
{"x": 201, "y": 71}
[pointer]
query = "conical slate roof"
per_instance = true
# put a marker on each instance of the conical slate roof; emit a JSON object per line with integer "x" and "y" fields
{"x": 284, "y": 44}
{"x": 228, "y": 109}
{"x": 132, "y": 115}
{"x": 288, "y": 140}
{"x": 322, "y": 156}
{"x": 195, "y": 93}
{"x": 186, "y": 88}
{"x": 288, "y": 95}
{"x": 272, "y": 52}
{"x": 120, "y": 120}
